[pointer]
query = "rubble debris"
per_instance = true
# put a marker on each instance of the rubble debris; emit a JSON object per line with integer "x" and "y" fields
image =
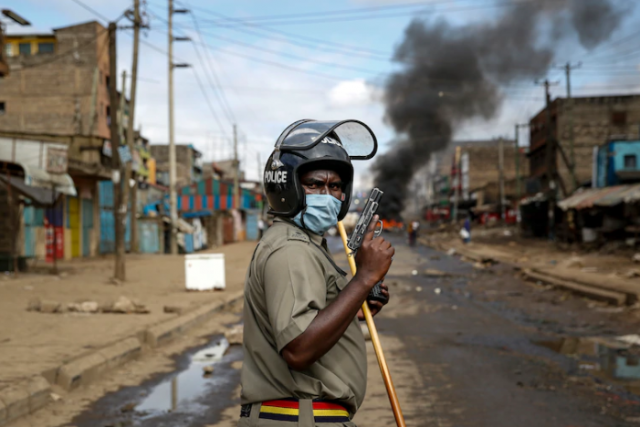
{"x": 573, "y": 262}
{"x": 451, "y": 252}
{"x": 431, "y": 272}
{"x": 47, "y": 306}
{"x": 235, "y": 335}
{"x": 83, "y": 307}
{"x": 129, "y": 407}
{"x": 632, "y": 274}
{"x": 125, "y": 306}
{"x": 207, "y": 370}
{"x": 34, "y": 304}
{"x": 174, "y": 309}
{"x": 55, "y": 397}
{"x": 365, "y": 331}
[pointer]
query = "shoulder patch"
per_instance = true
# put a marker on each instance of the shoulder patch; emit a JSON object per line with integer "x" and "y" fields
{"x": 295, "y": 234}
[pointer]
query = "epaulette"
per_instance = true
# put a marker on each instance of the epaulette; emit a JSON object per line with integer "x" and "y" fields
{"x": 296, "y": 234}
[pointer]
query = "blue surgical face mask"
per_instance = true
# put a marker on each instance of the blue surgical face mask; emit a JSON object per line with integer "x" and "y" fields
{"x": 321, "y": 213}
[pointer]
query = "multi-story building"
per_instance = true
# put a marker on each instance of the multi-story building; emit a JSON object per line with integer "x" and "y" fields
{"x": 57, "y": 91}
{"x": 188, "y": 164}
{"x": 578, "y": 125}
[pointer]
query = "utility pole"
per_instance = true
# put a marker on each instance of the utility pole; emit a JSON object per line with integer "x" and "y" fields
{"x": 115, "y": 144}
{"x": 572, "y": 164}
{"x": 173, "y": 197}
{"x": 130, "y": 133}
{"x": 501, "y": 176}
{"x": 517, "y": 158}
{"x": 236, "y": 166}
{"x": 551, "y": 161}
{"x": 456, "y": 181}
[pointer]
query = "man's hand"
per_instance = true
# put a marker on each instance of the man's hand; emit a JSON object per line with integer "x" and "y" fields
{"x": 376, "y": 306}
{"x": 373, "y": 259}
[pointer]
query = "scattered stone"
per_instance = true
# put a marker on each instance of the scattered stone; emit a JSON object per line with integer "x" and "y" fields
{"x": 174, "y": 309}
{"x": 414, "y": 272}
{"x": 235, "y": 335}
{"x": 574, "y": 262}
{"x": 451, "y": 252}
{"x": 55, "y": 397}
{"x": 129, "y": 407}
{"x": 418, "y": 288}
{"x": 208, "y": 370}
{"x": 49, "y": 306}
{"x": 115, "y": 281}
{"x": 636, "y": 258}
{"x": 430, "y": 272}
{"x": 365, "y": 331}
{"x": 126, "y": 306}
{"x": 632, "y": 274}
{"x": 437, "y": 291}
{"x": 34, "y": 304}
{"x": 83, "y": 307}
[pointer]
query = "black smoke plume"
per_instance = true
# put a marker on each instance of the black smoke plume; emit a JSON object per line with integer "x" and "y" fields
{"x": 452, "y": 74}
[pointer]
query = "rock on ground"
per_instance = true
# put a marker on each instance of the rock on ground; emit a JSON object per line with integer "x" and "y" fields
{"x": 235, "y": 335}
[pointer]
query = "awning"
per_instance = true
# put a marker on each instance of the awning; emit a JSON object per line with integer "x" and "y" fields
{"x": 44, "y": 163}
{"x": 601, "y": 197}
{"x": 38, "y": 196}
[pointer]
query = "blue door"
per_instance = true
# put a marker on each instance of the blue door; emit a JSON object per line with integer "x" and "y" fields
{"x": 29, "y": 231}
{"x": 107, "y": 222}
{"x": 252, "y": 226}
{"x": 87, "y": 226}
{"x": 148, "y": 240}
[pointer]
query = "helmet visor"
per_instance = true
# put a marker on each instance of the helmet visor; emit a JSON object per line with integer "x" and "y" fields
{"x": 355, "y": 137}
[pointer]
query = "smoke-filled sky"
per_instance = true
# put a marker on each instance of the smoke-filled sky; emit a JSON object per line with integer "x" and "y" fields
{"x": 330, "y": 61}
{"x": 451, "y": 74}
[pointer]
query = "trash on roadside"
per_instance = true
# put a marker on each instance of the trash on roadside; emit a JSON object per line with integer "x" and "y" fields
{"x": 414, "y": 272}
{"x": 437, "y": 291}
{"x": 418, "y": 288}
{"x": 213, "y": 353}
{"x": 235, "y": 335}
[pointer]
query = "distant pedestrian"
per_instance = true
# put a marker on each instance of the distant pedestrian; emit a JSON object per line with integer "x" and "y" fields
{"x": 465, "y": 231}
{"x": 413, "y": 232}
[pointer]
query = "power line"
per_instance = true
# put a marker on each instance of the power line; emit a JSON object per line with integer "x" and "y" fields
{"x": 90, "y": 9}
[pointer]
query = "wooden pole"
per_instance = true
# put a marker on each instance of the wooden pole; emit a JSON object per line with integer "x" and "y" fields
{"x": 375, "y": 339}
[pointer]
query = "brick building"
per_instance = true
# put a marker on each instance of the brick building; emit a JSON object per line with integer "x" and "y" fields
{"x": 58, "y": 82}
{"x": 188, "y": 164}
{"x": 595, "y": 120}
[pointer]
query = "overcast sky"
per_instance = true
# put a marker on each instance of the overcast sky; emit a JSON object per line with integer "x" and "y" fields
{"x": 273, "y": 72}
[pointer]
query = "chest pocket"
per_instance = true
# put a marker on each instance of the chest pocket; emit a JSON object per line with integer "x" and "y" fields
{"x": 336, "y": 283}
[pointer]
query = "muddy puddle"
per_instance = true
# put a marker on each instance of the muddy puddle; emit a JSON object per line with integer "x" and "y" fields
{"x": 614, "y": 359}
{"x": 194, "y": 394}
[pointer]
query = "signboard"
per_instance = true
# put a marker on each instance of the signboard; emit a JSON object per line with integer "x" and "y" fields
{"x": 56, "y": 160}
{"x": 106, "y": 148}
{"x": 125, "y": 154}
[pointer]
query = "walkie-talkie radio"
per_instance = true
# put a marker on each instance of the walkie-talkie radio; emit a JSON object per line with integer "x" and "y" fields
{"x": 356, "y": 238}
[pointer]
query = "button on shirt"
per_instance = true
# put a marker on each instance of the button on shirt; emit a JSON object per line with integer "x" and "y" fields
{"x": 290, "y": 279}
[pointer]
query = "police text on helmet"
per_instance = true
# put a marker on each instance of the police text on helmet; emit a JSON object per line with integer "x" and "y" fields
{"x": 278, "y": 177}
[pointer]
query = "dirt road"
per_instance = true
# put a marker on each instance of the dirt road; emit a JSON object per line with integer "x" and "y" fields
{"x": 466, "y": 347}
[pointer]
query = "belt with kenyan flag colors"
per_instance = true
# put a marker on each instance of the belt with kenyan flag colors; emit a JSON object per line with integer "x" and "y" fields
{"x": 324, "y": 411}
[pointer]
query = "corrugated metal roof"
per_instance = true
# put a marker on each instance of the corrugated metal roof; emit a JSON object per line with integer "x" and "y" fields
{"x": 602, "y": 197}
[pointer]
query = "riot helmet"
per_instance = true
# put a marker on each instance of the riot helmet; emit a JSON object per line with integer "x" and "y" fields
{"x": 310, "y": 144}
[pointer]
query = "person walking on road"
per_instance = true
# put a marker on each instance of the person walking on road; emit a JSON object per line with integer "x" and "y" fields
{"x": 305, "y": 360}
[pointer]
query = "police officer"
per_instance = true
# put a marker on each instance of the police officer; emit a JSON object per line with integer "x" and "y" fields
{"x": 305, "y": 359}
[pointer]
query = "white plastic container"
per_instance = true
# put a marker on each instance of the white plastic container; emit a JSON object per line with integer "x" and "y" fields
{"x": 204, "y": 272}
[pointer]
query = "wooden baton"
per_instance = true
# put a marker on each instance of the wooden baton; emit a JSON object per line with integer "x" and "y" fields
{"x": 375, "y": 339}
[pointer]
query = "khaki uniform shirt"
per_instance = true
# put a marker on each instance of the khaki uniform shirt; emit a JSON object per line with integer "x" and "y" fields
{"x": 291, "y": 277}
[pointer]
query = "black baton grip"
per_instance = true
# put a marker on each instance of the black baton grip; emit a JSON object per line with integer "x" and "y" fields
{"x": 376, "y": 294}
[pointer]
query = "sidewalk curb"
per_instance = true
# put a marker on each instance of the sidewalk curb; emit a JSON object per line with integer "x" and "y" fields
{"x": 23, "y": 398}
{"x": 617, "y": 297}
{"x": 163, "y": 333}
{"x": 27, "y": 396}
